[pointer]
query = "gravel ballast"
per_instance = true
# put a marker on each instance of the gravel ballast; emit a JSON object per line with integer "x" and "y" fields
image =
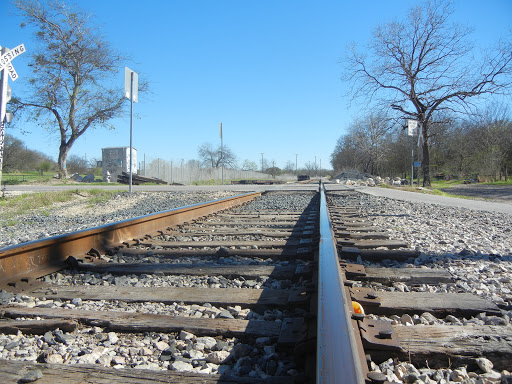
{"x": 80, "y": 214}
{"x": 181, "y": 351}
{"x": 475, "y": 246}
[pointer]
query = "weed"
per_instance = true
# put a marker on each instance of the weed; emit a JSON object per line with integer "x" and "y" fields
{"x": 43, "y": 201}
{"x": 10, "y": 223}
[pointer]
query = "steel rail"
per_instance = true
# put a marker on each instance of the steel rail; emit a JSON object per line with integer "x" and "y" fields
{"x": 337, "y": 351}
{"x": 35, "y": 258}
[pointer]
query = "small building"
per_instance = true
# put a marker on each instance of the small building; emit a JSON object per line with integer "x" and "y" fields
{"x": 116, "y": 160}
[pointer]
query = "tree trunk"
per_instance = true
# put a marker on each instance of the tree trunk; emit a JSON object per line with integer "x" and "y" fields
{"x": 63, "y": 155}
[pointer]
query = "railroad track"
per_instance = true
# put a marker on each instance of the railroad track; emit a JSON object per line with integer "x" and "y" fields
{"x": 223, "y": 292}
{"x": 207, "y": 293}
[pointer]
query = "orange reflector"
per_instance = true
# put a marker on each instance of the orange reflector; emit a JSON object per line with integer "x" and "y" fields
{"x": 358, "y": 308}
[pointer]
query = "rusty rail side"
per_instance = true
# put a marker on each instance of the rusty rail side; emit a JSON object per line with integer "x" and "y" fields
{"x": 33, "y": 258}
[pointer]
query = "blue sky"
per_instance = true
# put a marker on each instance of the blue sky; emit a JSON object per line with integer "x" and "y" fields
{"x": 269, "y": 70}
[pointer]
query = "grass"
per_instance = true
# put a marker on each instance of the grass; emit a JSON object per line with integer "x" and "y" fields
{"x": 501, "y": 182}
{"x": 35, "y": 177}
{"x": 100, "y": 196}
{"x": 18, "y": 178}
{"x": 43, "y": 201}
{"x": 445, "y": 183}
{"x": 442, "y": 193}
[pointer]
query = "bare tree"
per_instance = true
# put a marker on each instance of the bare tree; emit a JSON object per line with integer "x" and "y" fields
{"x": 459, "y": 150}
{"x": 249, "y": 165}
{"x": 492, "y": 146}
{"x": 289, "y": 167}
{"x": 370, "y": 135}
{"x": 77, "y": 164}
{"x": 216, "y": 157}
{"x": 17, "y": 157}
{"x": 310, "y": 167}
{"x": 72, "y": 68}
{"x": 344, "y": 155}
{"x": 14, "y": 154}
{"x": 363, "y": 147}
{"x": 424, "y": 65}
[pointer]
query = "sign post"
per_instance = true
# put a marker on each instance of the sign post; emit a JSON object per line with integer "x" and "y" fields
{"x": 412, "y": 129}
{"x": 131, "y": 91}
{"x": 6, "y": 68}
{"x": 221, "y": 153}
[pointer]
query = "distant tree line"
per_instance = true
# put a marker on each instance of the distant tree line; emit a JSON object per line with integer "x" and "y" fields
{"x": 18, "y": 158}
{"x": 480, "y": 144}
{"x": 217, "y": 157}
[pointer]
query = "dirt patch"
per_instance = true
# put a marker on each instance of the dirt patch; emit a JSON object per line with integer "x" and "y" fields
{"x": 501, "y": 193}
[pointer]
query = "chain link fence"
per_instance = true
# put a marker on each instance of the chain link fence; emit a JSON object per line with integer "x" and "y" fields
{"x": 190, "y": 172}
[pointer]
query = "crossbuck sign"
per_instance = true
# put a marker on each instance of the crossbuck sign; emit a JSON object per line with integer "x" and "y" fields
{"x": 5, "y": 60}
{"x": 7, "y": 55}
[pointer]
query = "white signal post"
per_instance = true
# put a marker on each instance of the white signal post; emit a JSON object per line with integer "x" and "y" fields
{"x": 131, "y": 91}
{"x": 6, "y": 68}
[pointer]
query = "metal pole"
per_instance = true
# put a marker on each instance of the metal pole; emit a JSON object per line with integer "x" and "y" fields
{"x": 296, "y": 162}
{"x": 412, "y": 160}
{"x": 3, "y": 108}
{"x": 222, "y": 154}
{"x": 131, "y": 128}
{"x": 418, "y": 174}
{"x": 261, "y": 162}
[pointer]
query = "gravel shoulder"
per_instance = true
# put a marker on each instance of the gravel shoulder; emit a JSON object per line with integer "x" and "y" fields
{"x": 77, "y": 215}
{"x": 482, "y": 204}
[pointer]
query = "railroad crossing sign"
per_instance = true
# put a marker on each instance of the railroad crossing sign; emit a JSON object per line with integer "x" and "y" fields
{"x": 7, "y": 55}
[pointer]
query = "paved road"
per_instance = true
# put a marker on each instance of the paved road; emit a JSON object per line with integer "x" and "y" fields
{"x": 159, "y": 188}
{"x": 482, "y": 205}
{"x": 491, "y": 206}
{"x": 501, "y": 193}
